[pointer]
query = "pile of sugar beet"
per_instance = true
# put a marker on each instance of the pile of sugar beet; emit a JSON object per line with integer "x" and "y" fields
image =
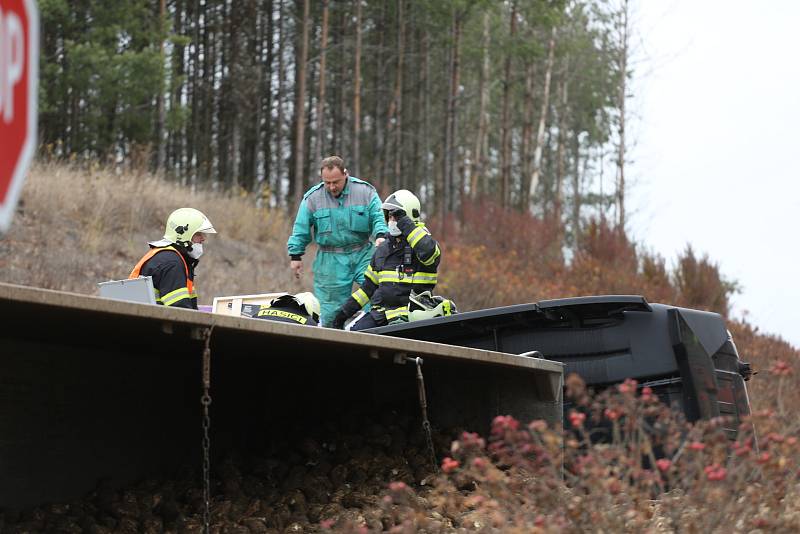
{"x": 329, "y": 478}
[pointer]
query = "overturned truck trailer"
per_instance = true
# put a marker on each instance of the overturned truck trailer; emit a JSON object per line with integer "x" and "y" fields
{"x": 686, "y": 356}
{"x": 97, "y": 389}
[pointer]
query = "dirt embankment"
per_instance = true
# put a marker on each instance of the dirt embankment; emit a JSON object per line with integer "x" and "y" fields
{"x": 76, "y": 227}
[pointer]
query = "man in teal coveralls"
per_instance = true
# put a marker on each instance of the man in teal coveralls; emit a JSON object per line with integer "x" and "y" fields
{"x": 344, "y": 213}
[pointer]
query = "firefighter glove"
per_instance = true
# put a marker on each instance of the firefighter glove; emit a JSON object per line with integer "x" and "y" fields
{"x": 338, "y": 321}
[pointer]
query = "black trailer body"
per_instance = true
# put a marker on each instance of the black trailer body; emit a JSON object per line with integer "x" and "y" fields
{"x": 95, "y": 389}
{"x": 686, "y": 356}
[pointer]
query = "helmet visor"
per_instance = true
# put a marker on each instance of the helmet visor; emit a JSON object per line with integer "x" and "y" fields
{"x": 391, "y": 204}
{"x": 206, "y": 228}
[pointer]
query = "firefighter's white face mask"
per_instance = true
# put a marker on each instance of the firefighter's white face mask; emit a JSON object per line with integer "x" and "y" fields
{"x": 393, "y": 229}
{"x": 197, "y": 251}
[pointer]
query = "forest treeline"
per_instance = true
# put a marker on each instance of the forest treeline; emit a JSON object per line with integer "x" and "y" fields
{"x": 518, "y": 101}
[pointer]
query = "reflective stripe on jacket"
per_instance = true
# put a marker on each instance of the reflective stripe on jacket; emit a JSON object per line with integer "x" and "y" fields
{"x": 169, "y": 292}
{"x": 285, "y": 312}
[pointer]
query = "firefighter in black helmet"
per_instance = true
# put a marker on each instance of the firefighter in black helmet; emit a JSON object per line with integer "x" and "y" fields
{"x": 408, "y": 260}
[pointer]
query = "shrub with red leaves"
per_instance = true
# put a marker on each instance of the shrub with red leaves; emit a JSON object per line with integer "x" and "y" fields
{"x": 655, "y": 472}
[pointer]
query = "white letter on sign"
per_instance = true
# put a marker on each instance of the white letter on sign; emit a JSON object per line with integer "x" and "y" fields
{"x": 12, "y": 56}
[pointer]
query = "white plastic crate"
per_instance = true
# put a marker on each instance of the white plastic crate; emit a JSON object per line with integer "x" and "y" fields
{"x": 233, "y": 305}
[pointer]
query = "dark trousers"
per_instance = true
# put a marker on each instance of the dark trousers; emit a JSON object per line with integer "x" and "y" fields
{"x": 367, "y": 321}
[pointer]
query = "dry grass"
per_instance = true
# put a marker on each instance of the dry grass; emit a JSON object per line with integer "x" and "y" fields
{"x": 78, "y": 226}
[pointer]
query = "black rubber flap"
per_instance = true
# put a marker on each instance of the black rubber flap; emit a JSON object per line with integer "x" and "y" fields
{"x": 596, "y": 306}
{"x": 696, "y": 369}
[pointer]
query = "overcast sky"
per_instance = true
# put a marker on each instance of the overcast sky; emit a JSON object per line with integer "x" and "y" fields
{"x": 715, "y": 161}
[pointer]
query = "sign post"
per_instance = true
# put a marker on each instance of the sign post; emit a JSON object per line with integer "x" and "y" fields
{"x": 19, "y": 76}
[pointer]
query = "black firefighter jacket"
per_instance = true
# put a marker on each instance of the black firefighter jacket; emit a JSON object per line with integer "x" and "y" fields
{"x": 399, "y": 264}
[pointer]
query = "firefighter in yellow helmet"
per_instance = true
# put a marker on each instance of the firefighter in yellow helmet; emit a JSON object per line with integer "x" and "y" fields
{"x": 407, "y": 261}
{"x": 172, "y": 259}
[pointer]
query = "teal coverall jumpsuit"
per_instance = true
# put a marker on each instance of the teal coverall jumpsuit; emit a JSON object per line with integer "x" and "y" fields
{"x": 342, "y": 228}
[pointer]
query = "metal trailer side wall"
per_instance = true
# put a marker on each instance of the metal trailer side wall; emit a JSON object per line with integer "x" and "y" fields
{"x": 93, "y": 389}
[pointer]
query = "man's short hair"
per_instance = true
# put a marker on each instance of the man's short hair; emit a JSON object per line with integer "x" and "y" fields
{"x": 332, "y": 162}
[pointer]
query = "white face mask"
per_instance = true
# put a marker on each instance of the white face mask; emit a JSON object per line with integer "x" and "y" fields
{"x": 393, "y": 229}
{"x": 197, "y": 251}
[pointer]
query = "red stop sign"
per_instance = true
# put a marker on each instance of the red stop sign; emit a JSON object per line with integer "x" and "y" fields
{"x": 19, "y": 73}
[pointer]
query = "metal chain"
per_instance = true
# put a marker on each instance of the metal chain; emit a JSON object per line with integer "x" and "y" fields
{"x": 423, "y": 404}
{"x": 205, "y": 400}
